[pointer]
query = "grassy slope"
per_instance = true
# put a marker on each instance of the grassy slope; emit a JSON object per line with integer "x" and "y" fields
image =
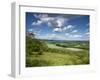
{"x": 56, "y": 59}
{"x": 58, "y": 56}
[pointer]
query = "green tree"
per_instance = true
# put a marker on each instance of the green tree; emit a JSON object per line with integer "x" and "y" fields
{"x": 34, "y": 45}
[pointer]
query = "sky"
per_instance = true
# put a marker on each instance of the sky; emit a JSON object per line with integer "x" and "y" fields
{"x": 58, "y": 26}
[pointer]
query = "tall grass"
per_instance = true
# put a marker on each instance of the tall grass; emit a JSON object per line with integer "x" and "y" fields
{"x": 56, "y": 57}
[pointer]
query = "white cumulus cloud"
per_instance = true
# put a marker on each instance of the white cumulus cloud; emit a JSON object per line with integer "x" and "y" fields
{"x": 57, "y": 30}
{"x": 37, "y": 23}
{"x": 30, "y": 30}
{"x": 76, "y": 36}
{"x": 65, "y": 28}
{"x": 70, "y": 27}
{"x": 74, "y": 31}
{"x": 50, "y": 21}
{"x": 60, "y": 22}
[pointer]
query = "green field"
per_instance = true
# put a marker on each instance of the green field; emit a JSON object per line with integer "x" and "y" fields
{"x": 55, "y": 52}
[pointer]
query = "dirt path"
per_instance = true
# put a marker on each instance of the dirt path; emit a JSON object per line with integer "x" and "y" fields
{"x": 74, "y": 49}
{"x": 57, "y": 47}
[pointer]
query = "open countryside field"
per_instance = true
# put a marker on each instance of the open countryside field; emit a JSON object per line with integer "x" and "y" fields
{"x": 56, "y": 39}
{"x": 58, "y": 53}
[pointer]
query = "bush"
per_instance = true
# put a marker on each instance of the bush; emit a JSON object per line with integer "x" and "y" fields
{"x": 61, "y": 45}
{"x": 34, "y": 45}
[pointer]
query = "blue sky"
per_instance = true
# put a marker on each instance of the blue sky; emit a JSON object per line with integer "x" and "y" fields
{"x": 58, "y": 26}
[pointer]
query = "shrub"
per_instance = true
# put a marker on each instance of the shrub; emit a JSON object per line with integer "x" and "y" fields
{"x": 34, "y": 45}
{"x": 61, "y": 45}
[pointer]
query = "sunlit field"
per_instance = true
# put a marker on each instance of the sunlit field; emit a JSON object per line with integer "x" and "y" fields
{"x": 58, "y": 53}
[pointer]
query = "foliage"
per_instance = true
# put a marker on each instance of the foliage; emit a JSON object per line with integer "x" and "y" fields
{"x": 73, "y": 44}
{"x": 34, "y": 45}
{"x": 53, "y": 53}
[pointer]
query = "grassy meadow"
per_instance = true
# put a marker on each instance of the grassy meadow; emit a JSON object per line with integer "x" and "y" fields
{"x": 55, "y": 52}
